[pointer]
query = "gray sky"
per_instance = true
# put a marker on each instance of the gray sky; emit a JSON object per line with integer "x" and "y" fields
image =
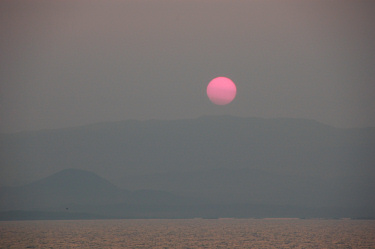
{"x": 68, "y": 63}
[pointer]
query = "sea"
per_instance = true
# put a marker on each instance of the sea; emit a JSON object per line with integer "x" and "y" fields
{"x": 189, "y": 233}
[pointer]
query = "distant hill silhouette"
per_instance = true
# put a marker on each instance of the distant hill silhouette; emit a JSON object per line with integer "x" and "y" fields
{"x": 47, "y": 215}
{"x": 221, "y": 160}
{"x": 78, "y": 194}
{"x": 72, "y": 188}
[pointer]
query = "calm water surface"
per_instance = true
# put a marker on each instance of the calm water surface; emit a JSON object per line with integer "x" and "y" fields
{"x": 192, "y": 233}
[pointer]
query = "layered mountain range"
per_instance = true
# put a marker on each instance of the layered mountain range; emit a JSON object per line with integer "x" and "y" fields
{"x": 211, "y": 166}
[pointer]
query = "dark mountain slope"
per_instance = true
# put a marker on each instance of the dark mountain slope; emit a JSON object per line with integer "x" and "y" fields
{"x": 75, "y": 188}
{"x": 77, "y": 194}
{"x": 300, "y": 160}
{"x": 63, "y": 189}
{"x": 294, "y": 146}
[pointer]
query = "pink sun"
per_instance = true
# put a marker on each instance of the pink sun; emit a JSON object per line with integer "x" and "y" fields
{"x": 221, "y": 91}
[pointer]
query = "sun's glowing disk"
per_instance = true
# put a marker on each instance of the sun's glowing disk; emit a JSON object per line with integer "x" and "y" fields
{"x": 221, "y": 91}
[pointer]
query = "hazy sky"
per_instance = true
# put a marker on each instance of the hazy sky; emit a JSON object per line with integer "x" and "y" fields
{"x": 67, "y": 63}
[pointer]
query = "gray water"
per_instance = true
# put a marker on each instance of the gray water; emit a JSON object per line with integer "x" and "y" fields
{"x": 191, "y": 233}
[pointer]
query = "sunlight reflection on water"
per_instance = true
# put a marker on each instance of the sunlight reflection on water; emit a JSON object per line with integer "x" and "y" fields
{"x": 191, "y": 233}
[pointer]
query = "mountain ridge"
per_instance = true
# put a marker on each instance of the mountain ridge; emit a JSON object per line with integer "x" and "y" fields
{"x": 95, "y": 125}
{"x": 148, "y": 203}
{"x": 199, "y": 157}
{"x": 74, "y": 187}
